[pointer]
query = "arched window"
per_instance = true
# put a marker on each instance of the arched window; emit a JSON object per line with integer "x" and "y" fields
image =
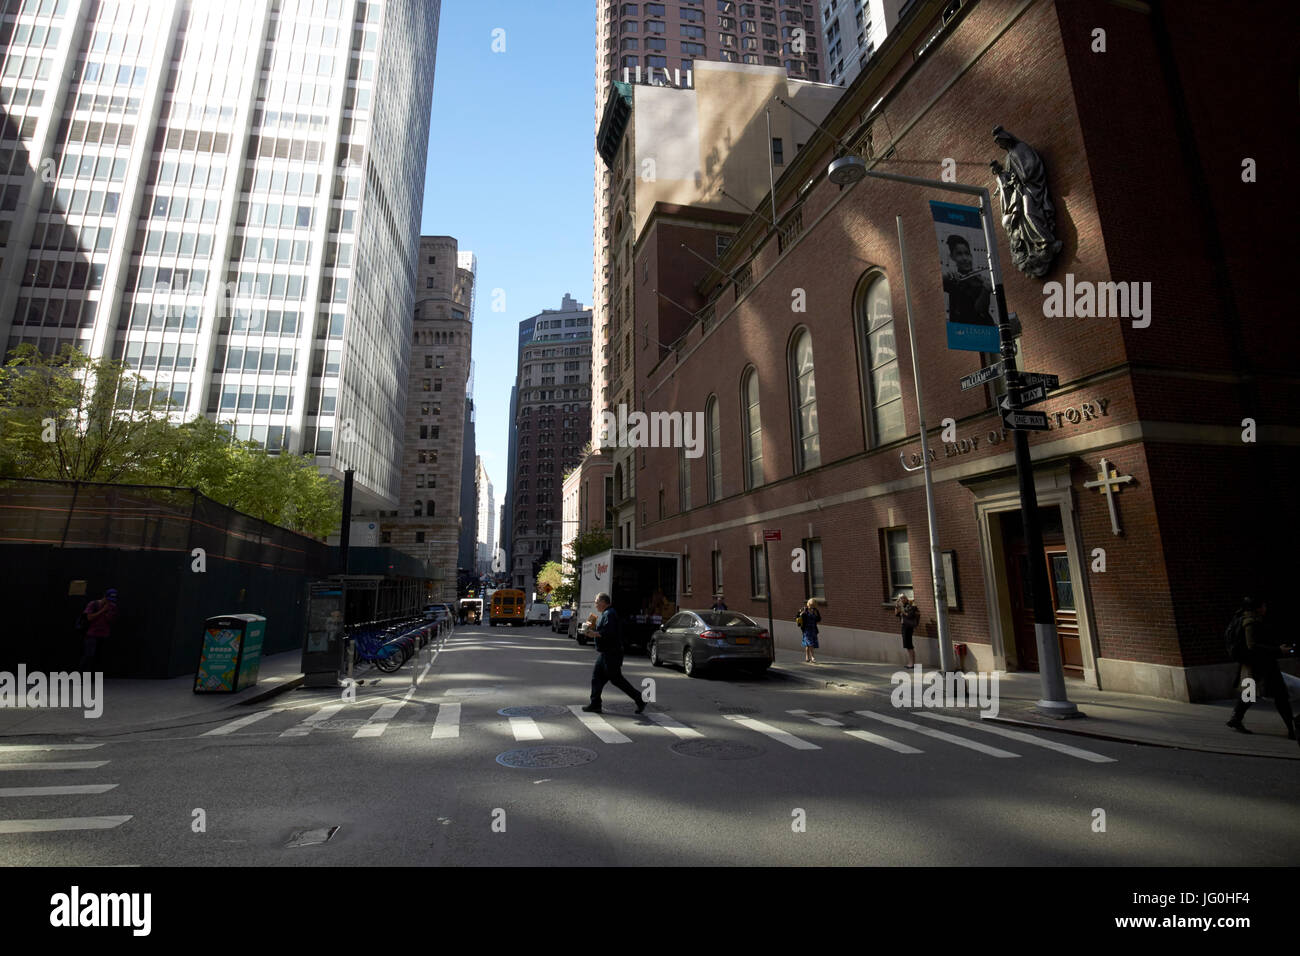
{"x": 713, "y": 425}
{"x": 882, "y": 389}
{"x": 753, "y": 426}
{"x": 807, "y": 437}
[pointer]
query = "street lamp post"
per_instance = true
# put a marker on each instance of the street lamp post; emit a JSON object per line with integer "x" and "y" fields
{"x": 850, "y": 169}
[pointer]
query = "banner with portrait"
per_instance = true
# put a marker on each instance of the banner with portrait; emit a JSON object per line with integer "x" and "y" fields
{"x": 967, "y": 286}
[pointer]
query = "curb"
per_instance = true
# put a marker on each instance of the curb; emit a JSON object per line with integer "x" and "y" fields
{"x": 273, "y": 691}
{"x": 1056, "y": 726}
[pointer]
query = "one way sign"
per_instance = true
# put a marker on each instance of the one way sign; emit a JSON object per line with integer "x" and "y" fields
{"x": 1025, "y": 421}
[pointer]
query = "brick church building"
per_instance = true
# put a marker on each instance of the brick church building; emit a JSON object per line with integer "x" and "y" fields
{"x": 1164, "y": 166}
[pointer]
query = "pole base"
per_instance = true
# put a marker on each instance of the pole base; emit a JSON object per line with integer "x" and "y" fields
{"x": 1060, "y": 709}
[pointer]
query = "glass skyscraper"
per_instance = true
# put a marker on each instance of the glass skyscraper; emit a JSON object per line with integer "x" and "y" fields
{"x": 226, "y": 195}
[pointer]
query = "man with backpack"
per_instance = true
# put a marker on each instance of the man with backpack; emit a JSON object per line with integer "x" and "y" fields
{"x": 1249, "y": 643}
{"x": 607, "y": 632}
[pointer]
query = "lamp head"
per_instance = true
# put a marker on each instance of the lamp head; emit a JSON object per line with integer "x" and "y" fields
{"x": 847, "y": 170}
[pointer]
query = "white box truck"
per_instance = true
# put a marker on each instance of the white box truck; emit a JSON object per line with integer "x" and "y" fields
{"x": 643, "y": 586}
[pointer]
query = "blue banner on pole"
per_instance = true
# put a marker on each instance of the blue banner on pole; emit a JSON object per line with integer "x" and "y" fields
{"x": 968, "y": 290}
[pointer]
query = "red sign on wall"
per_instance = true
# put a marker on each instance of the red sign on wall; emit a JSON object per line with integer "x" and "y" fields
{"x": 771, "y": 535}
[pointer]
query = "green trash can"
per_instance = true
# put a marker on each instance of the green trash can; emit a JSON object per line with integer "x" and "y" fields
{"x": 232, "y": 653}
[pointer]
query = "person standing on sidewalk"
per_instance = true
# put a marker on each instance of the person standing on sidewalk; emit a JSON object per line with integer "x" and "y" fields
{"x": 809, "y": 618}
{"x": 609, "y": 657}
{"x": 1258, "y": 657}
{"x": 718, "y": 603}
{"x": 99, "y": 615}
{"x": 906, "y": 609}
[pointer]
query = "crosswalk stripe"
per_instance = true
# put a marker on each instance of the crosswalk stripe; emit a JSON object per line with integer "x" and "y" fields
{"x": 32, "y": 748}
{"x": 824, "y": 721}
{"x": 789, "y": 739}
{"x": 56, "y": 765}
{"x": 893, "y": 745}
{"x": 306, "y": 727}
{"x": 599, "y": 726}
{"x": 378, "y": 721}
{"x": 672, "y": 726}
{"x": 525, "y": 728}
{"x": 1026, "y": 738}
{"x": 234, "y": 725}
{"x": 62, "y": 823}
{"x": 56, "y": 791}
{"x": 937, "y": 734}
{"x": 448, "y": 722}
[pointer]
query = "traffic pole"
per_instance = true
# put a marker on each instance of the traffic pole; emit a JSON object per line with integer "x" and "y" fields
{"x": 1055, "y": 702}
{"x": 767, "y": 581}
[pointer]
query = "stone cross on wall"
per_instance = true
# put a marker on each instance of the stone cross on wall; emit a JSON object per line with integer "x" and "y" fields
{"x": 1109, "y": 481}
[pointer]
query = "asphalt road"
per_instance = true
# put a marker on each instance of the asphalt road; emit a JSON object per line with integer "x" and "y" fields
{"x": 724, "y": 770}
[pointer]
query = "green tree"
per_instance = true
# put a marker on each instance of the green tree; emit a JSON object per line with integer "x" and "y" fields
{"x": 584, "y": 545}
{"x": 552, "y": 573}
{"x": 73, "y": 418}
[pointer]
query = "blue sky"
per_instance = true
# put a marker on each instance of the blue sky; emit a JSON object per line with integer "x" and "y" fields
{"x": 510, "y": 175}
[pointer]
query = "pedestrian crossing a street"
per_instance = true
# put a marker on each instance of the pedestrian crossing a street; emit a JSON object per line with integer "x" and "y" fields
{"x": 28, "y": 759}
{"x": 450, "y": 721}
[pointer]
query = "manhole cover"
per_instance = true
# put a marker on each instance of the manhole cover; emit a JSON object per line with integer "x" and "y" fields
{"x": 535, "y": 710}
{"x": 629, "y": 708}
{"x": 471, "y": 691}
{"x": 739, "y": 711}
{"x": 311, "y": 837}
{"x": 342, "y": 723}
{"x": 716, "y": 749}
{"x": 546, "y": 757}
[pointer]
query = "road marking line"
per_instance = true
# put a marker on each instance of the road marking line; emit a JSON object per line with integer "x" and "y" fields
{"x": 824, "y": 721}
{"x": 789, "y": 739}
{"x": 378, "y": 721}
{"x": 306, "y": 727}
{"x": 56, "y": 765}
{"x": 599, "y": 726}
{"x": 893, "y": 745}
{"x": 63, "y": 823}
{"x": 447, "y": 723}
{"x": 56, "y": 791}
{"x": 234, "y": 725}
{"x": 31, "y": 748}
{"x": 672, "y": 726}
{"x": 1026, "y": 738}
{"x": 938, "y": 734}
{"x": 525, "y": 728}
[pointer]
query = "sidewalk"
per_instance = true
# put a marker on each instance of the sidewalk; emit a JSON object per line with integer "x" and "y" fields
{"x": 1131, "y": 718}
{"x": 138, "y": 704}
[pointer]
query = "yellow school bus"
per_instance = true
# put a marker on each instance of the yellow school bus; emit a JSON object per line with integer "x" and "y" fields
{"x": 508, "y": 607}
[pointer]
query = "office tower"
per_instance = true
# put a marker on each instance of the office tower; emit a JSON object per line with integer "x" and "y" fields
{"x": 552, "y": 424}
{"x": 425, "y": 523}
{"x": 658, "y": 44}
{"x": 227, "y": 196}
{"x": 486, "y": 510}
{"x": 853, "y": 31}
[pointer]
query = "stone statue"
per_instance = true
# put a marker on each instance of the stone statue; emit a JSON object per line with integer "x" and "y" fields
{"x": 1028, "y": 216}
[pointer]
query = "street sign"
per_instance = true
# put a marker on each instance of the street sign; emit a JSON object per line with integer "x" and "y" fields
{"x": 996, "y": 370}
{"x": 771, "y": 535}
{"x": 1030, "y": 395}
{"x": 1025, "y": 421}
{"x": 1050, "y": 382}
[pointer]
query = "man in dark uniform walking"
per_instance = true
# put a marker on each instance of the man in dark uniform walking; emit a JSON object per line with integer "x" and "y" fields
{"x": 609, "y": 657}
{"x": 1258, "y": 660}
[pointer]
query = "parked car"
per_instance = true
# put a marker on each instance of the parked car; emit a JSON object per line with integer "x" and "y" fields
{"x": 698, "y": 639}
{"x": 560, "y": 619}
{"x": 539, "y": 612}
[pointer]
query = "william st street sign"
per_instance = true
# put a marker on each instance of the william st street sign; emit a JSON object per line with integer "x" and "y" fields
{"x": 985, "y": 374}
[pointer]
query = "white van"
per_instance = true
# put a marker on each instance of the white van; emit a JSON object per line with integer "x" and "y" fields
{"x": 538, "y": 613}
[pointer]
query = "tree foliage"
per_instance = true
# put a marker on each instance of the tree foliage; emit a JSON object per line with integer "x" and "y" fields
{"x": 70, "y": 417}
{"x": 552, "y": 573}
{"x": 584, "y": 545}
